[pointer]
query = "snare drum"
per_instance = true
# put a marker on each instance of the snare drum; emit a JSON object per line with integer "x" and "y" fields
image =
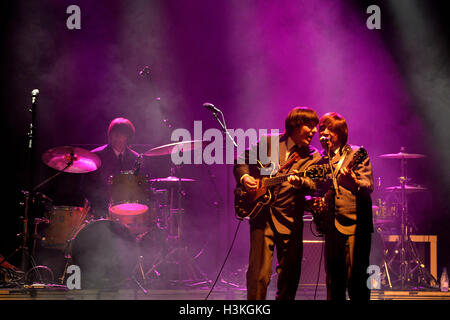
{"x": 130, "y": 199}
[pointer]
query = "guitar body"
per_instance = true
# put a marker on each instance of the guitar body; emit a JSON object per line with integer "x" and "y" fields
{"x": 322, "y": 208}
{"x": 248, "y": 204}
{"x": 322, "y": 212}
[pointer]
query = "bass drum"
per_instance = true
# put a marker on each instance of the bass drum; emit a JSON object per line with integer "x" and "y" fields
{"x": 106, "y": 253}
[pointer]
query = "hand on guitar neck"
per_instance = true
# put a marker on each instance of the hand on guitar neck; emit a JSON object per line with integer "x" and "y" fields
{"x": 251, "y": 184}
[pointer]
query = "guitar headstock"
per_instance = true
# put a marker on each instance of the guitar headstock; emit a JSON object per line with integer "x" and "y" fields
{"x": 359, "y": 156}
{"x": 316, "y": 172}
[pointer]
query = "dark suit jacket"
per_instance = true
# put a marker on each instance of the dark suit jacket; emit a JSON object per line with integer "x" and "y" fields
{"x": 96, "y": 183}
{"x": 286, "y": 211}
{"x": 353, "y": 210}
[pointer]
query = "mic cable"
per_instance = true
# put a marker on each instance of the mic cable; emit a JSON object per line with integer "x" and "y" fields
{"x": 226, "y": 259}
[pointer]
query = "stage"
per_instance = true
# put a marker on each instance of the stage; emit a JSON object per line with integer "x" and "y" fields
{"x": 118, "y": 162}
{"x": 305, "y": 293}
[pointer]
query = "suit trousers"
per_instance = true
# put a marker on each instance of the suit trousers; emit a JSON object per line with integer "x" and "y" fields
{"x": 289, "y": 248}
{"x": 347, "y": 260}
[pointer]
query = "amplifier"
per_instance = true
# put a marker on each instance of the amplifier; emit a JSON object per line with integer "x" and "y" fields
{"x": 313, "y": 262}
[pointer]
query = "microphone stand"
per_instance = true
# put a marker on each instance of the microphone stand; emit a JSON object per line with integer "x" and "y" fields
{"x": 228, "y": 229}
{"x": 333, "y": 176}
{"x": 145, "y": 73}
{"x": 31, "y": 150}
{"x": 223, "y": 126}
{"x": 25, "y": 254}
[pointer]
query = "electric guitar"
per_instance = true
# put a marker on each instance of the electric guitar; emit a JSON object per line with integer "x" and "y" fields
{"x": 249, "y": 203}
{"x": 322, "y": 207}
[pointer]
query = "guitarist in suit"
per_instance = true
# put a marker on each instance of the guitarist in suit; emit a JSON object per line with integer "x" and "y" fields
{"x": 280, "y": 224}
{"x": 349, "y": 229}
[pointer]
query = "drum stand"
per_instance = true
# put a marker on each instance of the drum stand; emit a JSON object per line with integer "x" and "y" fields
{"x": 177, "y": 254}
{"x": 409, "y": 261}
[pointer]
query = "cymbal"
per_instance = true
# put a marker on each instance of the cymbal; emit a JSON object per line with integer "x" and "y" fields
{"x": 176, "y": 147}
{"x": 83, "y": 160}
{"x": 172, "y": 179}
{"x": 402, "y": 155}
{"x": 408, "y": 188}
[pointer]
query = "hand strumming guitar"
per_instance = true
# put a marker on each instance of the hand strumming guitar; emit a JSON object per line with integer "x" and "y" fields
{"x": 348, "y": 179}
{"x": 249, "y": 182}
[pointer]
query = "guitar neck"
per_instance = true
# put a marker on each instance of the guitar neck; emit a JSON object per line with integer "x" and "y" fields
{"x": 269, "y": 182}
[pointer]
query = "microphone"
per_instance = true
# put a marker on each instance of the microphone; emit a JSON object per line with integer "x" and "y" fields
{"x": 34, "y": 95}
{"x": 211, "y": 107}
{"x": 324, "y": 139}
{"x": 145, "y": 73}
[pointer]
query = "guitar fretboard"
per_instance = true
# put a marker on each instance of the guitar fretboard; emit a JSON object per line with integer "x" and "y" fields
{"x": 316, "y": 171}
{"x": 276, "y": 180}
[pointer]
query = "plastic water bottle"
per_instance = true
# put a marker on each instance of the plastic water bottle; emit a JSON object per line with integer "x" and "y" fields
{"x": 444, "y": 280}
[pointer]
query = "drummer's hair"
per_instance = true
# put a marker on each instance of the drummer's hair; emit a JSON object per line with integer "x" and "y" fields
{"x": 336, "y": 123}
{"x": 122, "y": 125}
{"x": 298, "y": 117}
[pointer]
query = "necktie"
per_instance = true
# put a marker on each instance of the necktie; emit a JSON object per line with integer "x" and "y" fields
{"x": 120, "y": 161}
{"x": 293, "y": 156}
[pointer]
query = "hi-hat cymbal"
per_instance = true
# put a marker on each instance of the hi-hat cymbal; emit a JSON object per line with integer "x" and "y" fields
{"x": 402, "y": 155}
{"x": 172, "y": 179}
{"x": 408, "y": 188}
{"x": 83, "y": 160}
{"x": 176, "y": 147}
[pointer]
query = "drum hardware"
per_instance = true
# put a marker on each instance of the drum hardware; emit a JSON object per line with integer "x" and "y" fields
{"x": 162, "y": 200}
{"x": 140, "y": 266}
{"x": 36, "y": 234}
{"x": 176, "y": 254}
{"x": 405, "y": 248}
{"x": 62, "y": 159}
{"x": 27, "y": 256}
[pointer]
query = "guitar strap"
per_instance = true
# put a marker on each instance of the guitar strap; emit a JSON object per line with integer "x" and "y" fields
{"x": 293, "y": 159}
{"x": 337, "y": 168}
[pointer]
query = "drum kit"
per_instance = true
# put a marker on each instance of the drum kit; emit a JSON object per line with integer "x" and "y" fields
{"x": 140, "y": 239}
{"x": 401, "y": 265}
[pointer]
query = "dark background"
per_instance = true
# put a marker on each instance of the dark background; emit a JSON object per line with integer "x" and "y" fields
{"x": 253, "y": 60}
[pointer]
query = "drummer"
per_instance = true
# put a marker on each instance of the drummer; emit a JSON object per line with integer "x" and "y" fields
{"x": 116, "y": 156}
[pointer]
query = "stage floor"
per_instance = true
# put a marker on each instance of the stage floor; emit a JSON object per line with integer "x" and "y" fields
{"x": 304, "y": 293}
